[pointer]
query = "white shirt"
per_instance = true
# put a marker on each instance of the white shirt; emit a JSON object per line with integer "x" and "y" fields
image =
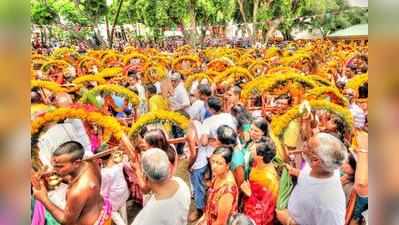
{"x": 212, "y": 123}
{"x": 204, "y": 152}
{"x": 180, "y": 98}
{"x": 197, "y": 110}
{"x": 359, "y": 117}
{"x": 171, "y": 211}
{"x": 158, "y": 87}
{"x": 317, "y": 201}
{"x": 114, "y": 186}
{"x": 143, "y": 99}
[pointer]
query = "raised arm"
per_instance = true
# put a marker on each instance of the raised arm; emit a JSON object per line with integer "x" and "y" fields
{"x": 361, "y": 175}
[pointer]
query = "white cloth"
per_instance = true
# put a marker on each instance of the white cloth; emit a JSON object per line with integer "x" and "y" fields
{"x": 180, "y": 98}
{"x": 58, "y": 196}
{"x": 211, "y": 124}
{"x": 114, "y": 186}
{"x": 204, "y": 152}
{"x": 171, "y": 211}
{"x": 197, "y": 110}
{"x": 359, "y": 117}
{"x": 317, "y": 201}
{"x": 158, "y": 87}
{"x": 143, "y": 99}
{"x": 58, "y": 134}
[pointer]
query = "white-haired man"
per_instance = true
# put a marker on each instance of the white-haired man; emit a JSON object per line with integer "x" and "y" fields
{"x": 318, "y": 198}
{"x": 170, "y": 199}
{"x": 179, "y": 100}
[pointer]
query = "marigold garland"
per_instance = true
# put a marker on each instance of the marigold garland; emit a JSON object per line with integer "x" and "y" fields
{"x": 127, "y": 58}
{"x": 88, "y": 78}
{"x": 160, "y": 74}
{"x": 262, "y": 84}
{"x": 64, "y": 64}
{"x": 158, "y": 116}
{"x": 320, "y": 80}
{"x": 320, "y": 91}
{"x": 90, "y": 60}
{"x": 280, "y": 123}
{"x": 110, "y": 72}
{"x": 49, "y": 85}
{"x": 196, "y": 76}
{"x": 220, "y": 64}
{"x": 212, "y": 74}
{"x": 234, "y": 71}
{"x": 112, "y": 89}
{"x": 357, "y": 81}
{"x": 283, "y": 69}
{"x": 40, "y": 108}
{"x": 163, "y": 60}
{"x": 110, "y": 124}
{"x": 191, "y": 58}
{"x": 59, "y": 53}
{"x": 255, "y": 64}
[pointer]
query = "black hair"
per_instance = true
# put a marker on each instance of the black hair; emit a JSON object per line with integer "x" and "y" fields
{"x": 226, "y": 135}
{"x": 133, "y": 89}
{"x": 151, "y": 88}
{"x": 285, "y": 96}
{"x": 364, "y": 91}
{"x": 340, "y": 124}
{"x": 266, "y": 149}
{"x": 72, "y": 148}
{"x": 240, "y": 219}
{"x": 257, "y": 100}
{"x": 204, "y": 89}
{"x": 34, "y": 97}
{"x": 353, "y": 164}
{"x": 226, "y": 152}
{"x": 241, "y": 114}
{"x": 215, "y": 103}
{"x": 156, "y": 138}
{"x": 262, "y": 124}
{"x": 132, "y": 74}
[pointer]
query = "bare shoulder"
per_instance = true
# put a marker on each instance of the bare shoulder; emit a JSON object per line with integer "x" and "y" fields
{"x": 89, "y": 181}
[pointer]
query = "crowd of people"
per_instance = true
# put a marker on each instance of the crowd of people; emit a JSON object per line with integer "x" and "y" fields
{"x": 264, "y": 136}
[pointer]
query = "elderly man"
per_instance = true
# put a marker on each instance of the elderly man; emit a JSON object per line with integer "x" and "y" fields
{"x": 84, "y": 204}
{"x": 318, "y": 198}
{"x": 179, "y": 100}
{"x": 170, "y": 199}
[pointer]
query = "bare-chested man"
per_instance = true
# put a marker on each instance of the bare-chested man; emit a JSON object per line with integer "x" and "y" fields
{"x": 84, "y": 204}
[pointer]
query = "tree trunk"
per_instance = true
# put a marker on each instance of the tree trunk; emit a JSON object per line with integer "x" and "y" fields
{"x": 254, "y": 30}
{"x": 287, "y": 35}
{"x": 107, "y": 28}
{"x": 273, "y": 25}
{"x": 98, "y": 34}
{"x": 123, "y": 33}
{"x": 115, "y": 21}
{"x": 244, "y": 17}
{"x": 193, "y": 26}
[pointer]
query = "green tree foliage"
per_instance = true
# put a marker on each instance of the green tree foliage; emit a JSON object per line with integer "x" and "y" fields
{"x": 43, "y": 13}
{"x": 335, "y": 18}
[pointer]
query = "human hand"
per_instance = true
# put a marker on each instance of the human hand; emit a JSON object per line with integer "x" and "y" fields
{"x": 362, "y": 140}
{"x": 246, "y": 188}
{"x": 39, "y": 189}
{"x": 291, "y": 170}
